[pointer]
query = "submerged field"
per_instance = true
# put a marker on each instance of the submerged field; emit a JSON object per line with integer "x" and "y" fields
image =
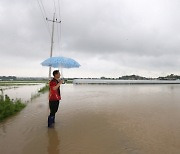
{"x": 12, "y": 100}
{"x": 99, "y": 119}
{"x": 10, "y": 83}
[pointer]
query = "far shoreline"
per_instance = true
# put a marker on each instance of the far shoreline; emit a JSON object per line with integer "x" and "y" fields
{"x": 101, "y": 81}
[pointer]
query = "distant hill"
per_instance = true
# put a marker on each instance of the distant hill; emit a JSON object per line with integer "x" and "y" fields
{"x": 8, "y": 78}
{"x": 133, "y": 77}
{"x": 170, "y": 77}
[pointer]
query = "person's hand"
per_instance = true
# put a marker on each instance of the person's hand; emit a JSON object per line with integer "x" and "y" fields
{"x": 61, "y": 82}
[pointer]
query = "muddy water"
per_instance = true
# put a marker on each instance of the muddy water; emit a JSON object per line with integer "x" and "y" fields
{"x": 99, "y": 119}
{"x": 25, "y": 92}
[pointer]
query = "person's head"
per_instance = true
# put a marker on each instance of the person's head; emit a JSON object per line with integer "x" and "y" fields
{"x": 56, "y": 74}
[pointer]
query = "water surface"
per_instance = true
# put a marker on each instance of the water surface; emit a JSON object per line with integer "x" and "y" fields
{"x": 99, "y": 119}
{"x": 24, "y": 92}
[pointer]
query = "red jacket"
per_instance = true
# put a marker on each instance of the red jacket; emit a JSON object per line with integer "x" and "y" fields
{"x": 54, "y": 95}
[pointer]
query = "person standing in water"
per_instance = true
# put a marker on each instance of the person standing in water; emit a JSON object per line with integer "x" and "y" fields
{"x": 54, "y": 96}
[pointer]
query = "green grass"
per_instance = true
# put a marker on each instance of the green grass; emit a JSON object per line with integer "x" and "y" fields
{"x": 9, "y": 106}
{"x": 33, "y": 96}
{"x": 23, "y": 81}
{"x": 15, "y": 83}
{"x": 40, "y": 91}
{"x": 44, "y": 89}
{"x": 68, "y": 81}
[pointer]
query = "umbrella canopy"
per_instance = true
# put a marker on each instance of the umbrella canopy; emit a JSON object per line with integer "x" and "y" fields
{"x": 60, "y": 62}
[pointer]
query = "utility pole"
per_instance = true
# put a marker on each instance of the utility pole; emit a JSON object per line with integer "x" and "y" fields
{"x": 52, "y": 39}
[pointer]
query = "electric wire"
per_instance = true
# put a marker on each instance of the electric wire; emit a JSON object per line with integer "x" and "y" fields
{"x": 59, "y": 27}
{"x": 44, "y": 18}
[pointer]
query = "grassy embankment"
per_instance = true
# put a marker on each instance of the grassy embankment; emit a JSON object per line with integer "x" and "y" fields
{"x": 9, "y": 106}
{"x": 40, "y": 91}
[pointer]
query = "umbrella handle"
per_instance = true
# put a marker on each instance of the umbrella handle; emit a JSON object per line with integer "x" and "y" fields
{"x": 62, "y": 77}
{"x": 61, "y": 72}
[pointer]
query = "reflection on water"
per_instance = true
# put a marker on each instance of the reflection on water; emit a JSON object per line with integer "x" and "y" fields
{"x": 53, "y": 141}
{"x": 99, "y": 119}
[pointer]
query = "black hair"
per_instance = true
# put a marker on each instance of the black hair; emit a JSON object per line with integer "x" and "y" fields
{"x": 55, "y": 72}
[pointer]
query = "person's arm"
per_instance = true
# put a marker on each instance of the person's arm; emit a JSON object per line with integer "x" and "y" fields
{"x": 58, "y": 85}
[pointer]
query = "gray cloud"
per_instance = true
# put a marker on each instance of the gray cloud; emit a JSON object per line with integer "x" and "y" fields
{"x": 106, "y": 36}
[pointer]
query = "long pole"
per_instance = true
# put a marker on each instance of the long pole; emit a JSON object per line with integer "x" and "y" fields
{"x": 52, "y": 41}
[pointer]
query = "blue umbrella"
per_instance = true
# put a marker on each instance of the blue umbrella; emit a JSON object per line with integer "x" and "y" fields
{"x": 60, "y": 62}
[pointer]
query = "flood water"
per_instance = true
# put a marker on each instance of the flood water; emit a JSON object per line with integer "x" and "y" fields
{"x": 23, "y": 92}
{"x": 98, "y": 119}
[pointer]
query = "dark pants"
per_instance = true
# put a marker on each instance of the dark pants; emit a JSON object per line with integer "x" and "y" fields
{"x": 53, "y": 105}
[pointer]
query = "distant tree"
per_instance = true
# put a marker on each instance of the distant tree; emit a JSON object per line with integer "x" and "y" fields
{"x": 103, "y": 77}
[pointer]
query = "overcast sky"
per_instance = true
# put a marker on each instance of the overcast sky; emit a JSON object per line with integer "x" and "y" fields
{"x": 108, "y": 38}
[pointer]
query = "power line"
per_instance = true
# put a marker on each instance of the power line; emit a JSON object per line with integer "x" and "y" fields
{"x": 59, "y": 9}
{"x": 59, "y": 30}
{"x": 54, "y": 6}
{"x": 43, "y": 7}
{"x": 43, "y": 16}
{"x": 58, "y": 35}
